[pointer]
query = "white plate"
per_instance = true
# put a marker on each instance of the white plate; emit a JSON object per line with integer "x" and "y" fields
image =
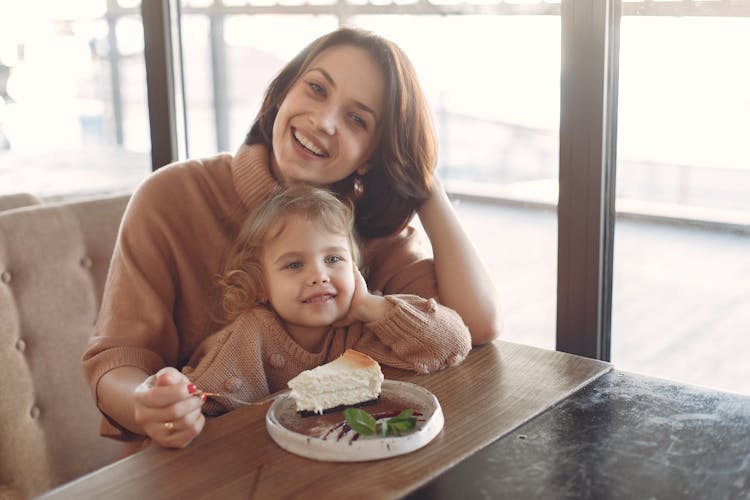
{"x": 323, "y": 437}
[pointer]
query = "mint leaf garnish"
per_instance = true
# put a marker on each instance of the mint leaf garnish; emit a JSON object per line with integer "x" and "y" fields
{"x": 364, "y": 423}
{"x": 360, "y": 421}
{"x": 402, "y": 423}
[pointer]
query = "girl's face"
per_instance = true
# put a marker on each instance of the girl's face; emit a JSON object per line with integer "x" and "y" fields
{"x": 309, "y": 274}
{"x": 326, "y": 126}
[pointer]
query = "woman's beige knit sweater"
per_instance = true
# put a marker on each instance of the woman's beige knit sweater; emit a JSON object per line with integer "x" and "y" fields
{"x": 175, "y": 233}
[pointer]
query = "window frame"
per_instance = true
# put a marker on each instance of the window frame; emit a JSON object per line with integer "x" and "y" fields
{"x": 586, "y": 204}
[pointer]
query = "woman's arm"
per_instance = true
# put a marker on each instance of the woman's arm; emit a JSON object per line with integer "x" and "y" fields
{"x": 136, "y": 331}
{"x": 115, "y": 395}
{"x": 464, "y": 284}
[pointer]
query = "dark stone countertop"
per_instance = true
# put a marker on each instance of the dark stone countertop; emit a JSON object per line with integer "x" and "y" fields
{"x": 623, "y": 436}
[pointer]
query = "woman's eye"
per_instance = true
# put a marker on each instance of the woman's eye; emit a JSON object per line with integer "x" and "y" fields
{"x": 317, "y": 89}
{"x": 359, "y": 121}
{"x": 333, "y": 259}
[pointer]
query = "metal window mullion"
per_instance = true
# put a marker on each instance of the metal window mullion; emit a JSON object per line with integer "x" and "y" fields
{"x": 114, "y": 68}
{"x": 590, "y": 40}
{"x": 164, "y": 85}
{"x": 178, "y": 68}
{"x": 219, "y": 79}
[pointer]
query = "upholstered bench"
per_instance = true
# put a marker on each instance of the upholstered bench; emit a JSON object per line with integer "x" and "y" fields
{"x": 16, "y": 200}
{"x": 53, "y": 265}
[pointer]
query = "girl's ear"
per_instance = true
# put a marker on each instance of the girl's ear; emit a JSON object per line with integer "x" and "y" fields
{"x": 363, "y": 169}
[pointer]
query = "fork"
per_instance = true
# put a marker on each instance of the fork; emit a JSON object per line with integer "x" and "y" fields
{"x": 264, "y": 400}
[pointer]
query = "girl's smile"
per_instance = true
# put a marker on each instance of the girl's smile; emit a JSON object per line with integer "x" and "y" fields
{"x": 318, "y": 298}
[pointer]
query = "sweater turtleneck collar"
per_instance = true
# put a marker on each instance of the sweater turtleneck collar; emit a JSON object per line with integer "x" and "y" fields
{"x": 251, "y": 174}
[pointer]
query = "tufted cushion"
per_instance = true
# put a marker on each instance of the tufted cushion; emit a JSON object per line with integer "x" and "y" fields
{"x": 53, "y": 264}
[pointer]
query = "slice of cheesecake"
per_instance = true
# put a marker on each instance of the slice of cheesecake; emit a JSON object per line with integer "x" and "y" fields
{"x": 351, "y": 379}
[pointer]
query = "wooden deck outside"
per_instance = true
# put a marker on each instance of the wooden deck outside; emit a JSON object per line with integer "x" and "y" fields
{"x": 681, "y": 294}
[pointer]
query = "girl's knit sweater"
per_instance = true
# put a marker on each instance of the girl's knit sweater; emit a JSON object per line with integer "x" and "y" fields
{"x": 254, "y": 355}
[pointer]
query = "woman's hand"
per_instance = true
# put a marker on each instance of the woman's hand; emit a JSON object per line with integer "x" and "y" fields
{"x": 166, "y": 410}
{"x": 365, "y": 306}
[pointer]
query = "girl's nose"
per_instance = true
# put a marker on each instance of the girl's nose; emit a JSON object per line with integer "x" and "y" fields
{"x": 318, "y": 277}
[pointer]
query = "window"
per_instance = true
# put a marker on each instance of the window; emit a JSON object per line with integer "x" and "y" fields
{"x": 681, "y": 301}
{"x": 73, "y": 113}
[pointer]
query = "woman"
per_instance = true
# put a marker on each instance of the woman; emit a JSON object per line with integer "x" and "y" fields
{"x": 346, "y": 113}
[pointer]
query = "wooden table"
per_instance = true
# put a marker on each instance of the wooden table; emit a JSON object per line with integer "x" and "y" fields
{"x": 498, "y": 387}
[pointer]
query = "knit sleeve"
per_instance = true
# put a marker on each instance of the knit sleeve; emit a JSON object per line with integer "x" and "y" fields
{"x": 144, "y": 317}
{"x": 135, "y": 325}
{"x": 418, "y": 335}
{"x": 230, "y": 363}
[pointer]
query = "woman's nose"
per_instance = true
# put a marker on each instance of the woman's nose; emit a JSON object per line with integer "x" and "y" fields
{"x": 325, "y": 119}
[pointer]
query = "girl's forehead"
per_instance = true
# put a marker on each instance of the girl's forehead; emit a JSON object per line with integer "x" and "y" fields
{"x": 302, "y": 223}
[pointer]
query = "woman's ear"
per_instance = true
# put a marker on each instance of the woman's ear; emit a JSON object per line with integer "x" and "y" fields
{"x": 363, "y": 169}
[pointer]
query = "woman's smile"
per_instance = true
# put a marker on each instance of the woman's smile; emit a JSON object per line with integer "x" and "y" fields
{"x": 326, "y": 126}
{"x": 309, "y": 144}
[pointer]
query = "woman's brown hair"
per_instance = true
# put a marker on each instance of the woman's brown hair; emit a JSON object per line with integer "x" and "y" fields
{"x": 405, "y": 154}
{"x": 241, "y": 286}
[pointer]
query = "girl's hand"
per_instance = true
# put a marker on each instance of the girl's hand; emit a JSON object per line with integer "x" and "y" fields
{"x": 365, "y": 306}
{"x": 166, "y": 409}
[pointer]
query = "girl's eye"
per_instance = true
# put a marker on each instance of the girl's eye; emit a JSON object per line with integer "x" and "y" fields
{"x": 294, "y": 265}
{"x": 333, "y": 259}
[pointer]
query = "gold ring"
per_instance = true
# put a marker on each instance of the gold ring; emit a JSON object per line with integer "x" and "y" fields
{"x": 169, "y": 426}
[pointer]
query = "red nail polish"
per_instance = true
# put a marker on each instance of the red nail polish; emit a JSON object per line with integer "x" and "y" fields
{"x": 203, "y": 397}
{"x": 192, "y": 388}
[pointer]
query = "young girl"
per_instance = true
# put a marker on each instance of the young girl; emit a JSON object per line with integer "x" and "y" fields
{"x": 346, "y": 113}
{"x": 291, "y": 275}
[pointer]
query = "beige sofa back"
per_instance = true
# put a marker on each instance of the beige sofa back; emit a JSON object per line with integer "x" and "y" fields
{"x": 15, "y": 200}
{"x": 53, "y": 264}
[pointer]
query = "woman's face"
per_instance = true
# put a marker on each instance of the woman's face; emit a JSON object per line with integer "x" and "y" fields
{"x": 326, "y": 126}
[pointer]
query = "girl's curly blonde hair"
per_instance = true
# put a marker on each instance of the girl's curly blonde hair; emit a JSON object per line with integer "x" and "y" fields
{"x": 241, "y": 285}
